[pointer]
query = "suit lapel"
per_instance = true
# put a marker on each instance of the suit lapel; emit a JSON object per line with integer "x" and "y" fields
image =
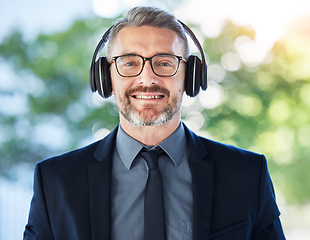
{"x": 202, "y": 185}
{"x": 100, "y": 188}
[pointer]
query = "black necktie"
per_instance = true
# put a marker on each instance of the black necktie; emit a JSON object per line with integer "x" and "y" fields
{"x": 154, "y": 214}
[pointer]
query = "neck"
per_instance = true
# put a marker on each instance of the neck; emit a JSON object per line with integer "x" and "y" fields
{"x": 150, "y": 135}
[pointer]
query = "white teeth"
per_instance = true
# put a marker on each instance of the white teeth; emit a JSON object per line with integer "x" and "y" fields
{"x": 148, "y": 97}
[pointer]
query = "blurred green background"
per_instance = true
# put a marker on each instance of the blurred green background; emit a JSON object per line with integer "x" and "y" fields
{"x": 258, "y": 96}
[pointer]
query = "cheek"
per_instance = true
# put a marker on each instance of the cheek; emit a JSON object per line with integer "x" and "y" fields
{"x": 116, "y": 82}
{"x": 119, "y": 86}
{"x": 113, "y": 79}
{"x": 180, "y": 80}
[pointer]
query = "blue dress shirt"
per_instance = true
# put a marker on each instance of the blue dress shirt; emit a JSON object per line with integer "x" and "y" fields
{"x": 129, "y": 176}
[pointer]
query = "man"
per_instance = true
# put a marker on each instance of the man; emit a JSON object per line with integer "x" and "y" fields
{"x": 210, "y": 190}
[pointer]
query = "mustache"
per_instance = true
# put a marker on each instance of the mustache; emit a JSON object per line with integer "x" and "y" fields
{"x": 155, "y": 88}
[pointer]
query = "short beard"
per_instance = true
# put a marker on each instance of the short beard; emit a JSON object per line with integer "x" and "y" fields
{"x": 137, "y": 118}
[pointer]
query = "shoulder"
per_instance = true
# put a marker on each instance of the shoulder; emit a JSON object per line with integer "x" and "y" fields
{"x": 83, "y": 156}
{"x": 218, "y": 148}
{"x": 80, "y": 156}
{"x": 224, "y": 154}
{"x": 234, "y": 158}
{"x": 215, "y": 148}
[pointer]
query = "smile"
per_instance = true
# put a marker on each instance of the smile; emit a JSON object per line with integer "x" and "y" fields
{"x": 148, "y": 97}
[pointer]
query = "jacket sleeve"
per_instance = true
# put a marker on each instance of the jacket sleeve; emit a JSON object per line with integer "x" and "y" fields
{"x": 267, "y": 225}
{"x": 38, "y": 226}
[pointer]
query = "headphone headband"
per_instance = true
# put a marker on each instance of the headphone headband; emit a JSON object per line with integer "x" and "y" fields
{"x": 101, "y": 44}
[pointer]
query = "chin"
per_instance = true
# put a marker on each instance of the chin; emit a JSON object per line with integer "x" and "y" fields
{"x": 141, "y": 121}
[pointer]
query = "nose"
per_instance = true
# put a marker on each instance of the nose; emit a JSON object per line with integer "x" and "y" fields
{"x": 147, "y": 76}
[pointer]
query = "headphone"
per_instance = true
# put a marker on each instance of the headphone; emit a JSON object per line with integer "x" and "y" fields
{"x": 195, "y": 75}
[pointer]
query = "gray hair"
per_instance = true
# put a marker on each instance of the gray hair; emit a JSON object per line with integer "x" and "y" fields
{"x": 150, "y": 16}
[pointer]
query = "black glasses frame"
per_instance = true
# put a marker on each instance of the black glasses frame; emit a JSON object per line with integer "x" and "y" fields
{"x": 114, "y": 59}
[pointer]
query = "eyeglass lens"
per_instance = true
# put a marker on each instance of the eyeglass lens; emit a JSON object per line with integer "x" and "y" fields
{"x": 132, "y": 65}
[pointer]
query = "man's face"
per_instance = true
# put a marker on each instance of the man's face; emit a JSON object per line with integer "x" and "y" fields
{"x": 148, "y": 99}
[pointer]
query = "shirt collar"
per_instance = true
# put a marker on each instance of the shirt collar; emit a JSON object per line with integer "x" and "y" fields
{"x": 177, "y": 138}
{"x": 128, "y": 148}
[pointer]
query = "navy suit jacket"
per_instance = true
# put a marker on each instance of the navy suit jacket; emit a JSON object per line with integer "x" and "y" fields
{"x": 233, "y": 196}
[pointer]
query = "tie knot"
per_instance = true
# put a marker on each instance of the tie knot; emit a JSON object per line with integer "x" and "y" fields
{"x": 151, "y": 156}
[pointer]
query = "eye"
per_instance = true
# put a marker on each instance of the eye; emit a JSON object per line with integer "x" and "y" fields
{"x": 130, "y": 64}
{"x": 163, "y": 63}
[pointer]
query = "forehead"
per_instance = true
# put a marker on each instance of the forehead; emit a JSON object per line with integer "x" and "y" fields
{"x": 146, "y": 41}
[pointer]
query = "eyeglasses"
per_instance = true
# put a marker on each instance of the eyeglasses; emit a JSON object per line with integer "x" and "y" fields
{"x": 163, "y": 65}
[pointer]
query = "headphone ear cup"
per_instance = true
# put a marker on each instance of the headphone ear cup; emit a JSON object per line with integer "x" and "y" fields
{"x": 97, "y": 79}
{"x": 107, "y": 84}
{"x": 92, "y": 82}
{"x": 193, "y": 76}
{"x": 103, "y": 77}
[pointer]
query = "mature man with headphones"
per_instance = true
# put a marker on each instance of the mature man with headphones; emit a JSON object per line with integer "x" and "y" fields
{"x": 152, "y": 178}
